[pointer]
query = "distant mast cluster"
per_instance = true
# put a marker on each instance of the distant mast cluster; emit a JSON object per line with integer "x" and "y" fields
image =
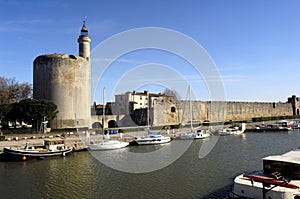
{"x": 65, "y": 80}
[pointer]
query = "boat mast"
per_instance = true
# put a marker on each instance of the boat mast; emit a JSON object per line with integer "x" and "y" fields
{"x": 103, "y": 112}
{"x": 191, "y": 111}
{"x": 148, "y": 109}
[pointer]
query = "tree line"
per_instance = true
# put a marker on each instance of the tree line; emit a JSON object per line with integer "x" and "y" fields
{"x": 17, "y": 105}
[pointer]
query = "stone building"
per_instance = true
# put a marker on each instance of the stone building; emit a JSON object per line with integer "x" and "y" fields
{"x": 132, "y": 108}
{"x": 65, "y": 80}
{"x": 127, "y": 103}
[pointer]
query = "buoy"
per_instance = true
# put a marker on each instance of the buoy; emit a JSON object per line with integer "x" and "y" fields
{"x": 24, "y": 158}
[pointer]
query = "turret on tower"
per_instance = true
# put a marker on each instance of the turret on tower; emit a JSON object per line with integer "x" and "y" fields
{"x": 84, "y": 42}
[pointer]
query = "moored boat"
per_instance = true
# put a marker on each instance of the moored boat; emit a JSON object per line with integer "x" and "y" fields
{"x": 196, "y": 134}
{"x": 279, "y": 126}
{"x": 201, "y": 134}
{"x": 279, "y": 179}
{"x": 153, "y": 138}
{"x": 50, "y": 148}
{"x": 107, "y": 145}
{"x": 233, "y": 130}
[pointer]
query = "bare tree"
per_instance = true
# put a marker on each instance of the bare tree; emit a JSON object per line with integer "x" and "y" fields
{"x": 4, "y": 93}
{"x": 172, "y": 93}
{"x": 11, "y": 91}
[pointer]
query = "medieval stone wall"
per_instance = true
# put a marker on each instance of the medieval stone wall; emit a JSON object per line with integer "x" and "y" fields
{"x": 247, "y": 110}
{"x": 164, "y": 114}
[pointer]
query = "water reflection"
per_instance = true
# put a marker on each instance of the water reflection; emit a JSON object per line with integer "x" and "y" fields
{"x": 83, "y": 176}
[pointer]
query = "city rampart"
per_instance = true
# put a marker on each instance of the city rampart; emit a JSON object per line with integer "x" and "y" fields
{"x": 169, "y": 113}
{"x": 245, "y": 110}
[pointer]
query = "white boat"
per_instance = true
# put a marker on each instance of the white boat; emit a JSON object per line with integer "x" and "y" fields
{"x": 233, "y": 130}
{"x": 284, "y": 125}
{"x": 196, "y": 133}
{"x": 153, "y": 138}
{"x": 50, "y": 148}
{"x": 106, "y": 143}
{"x": 280, "y": 179}
{"x": 201, "y": 134}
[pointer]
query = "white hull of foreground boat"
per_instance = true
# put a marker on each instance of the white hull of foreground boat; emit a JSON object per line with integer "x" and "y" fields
{"x": 107, "y": 145}
{"x": 246, "y": 188}
{"x": 279, "y": 179}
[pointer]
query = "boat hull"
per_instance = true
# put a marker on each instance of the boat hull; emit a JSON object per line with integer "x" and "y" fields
{"x": 21, "y": 155}
{"x": 149, "y": 141}
{"x": 255, "y": 186}
{"x": 107, "y": 145}
{"x": 227, "y": 132}
{"x": 192, "y": 136}
{"x": 202, "y": 136}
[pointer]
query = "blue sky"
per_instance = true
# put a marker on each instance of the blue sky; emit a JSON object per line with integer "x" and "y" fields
{"x": 255, "y": 45}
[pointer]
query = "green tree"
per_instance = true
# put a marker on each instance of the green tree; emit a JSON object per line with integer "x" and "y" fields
{"x": 30, "y": 111}
{"x": 35, "y": 111}
{"x": 4, "y": 110}
{"x": 13, "y": 114}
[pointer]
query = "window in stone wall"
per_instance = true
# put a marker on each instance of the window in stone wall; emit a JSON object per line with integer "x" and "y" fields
{"x": 274, "y": 105}
{"x": 173, "y": 109}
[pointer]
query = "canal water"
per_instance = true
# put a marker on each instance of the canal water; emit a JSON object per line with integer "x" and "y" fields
{"x": 82, "y": 176}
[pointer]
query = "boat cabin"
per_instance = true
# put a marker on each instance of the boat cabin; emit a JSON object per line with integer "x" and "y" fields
{"x": 287, "y": 164}
{"x": 54, "y": 144}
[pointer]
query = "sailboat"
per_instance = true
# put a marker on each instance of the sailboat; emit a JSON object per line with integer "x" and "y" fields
{"x": 195, "y": 133}
{"x": 153, "y": 137}
{"x": 106, "y": 143}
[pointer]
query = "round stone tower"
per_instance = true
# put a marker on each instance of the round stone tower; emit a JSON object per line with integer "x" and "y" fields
{"x": 65, "y": 80}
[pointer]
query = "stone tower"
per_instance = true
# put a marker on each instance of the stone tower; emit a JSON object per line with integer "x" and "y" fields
{"x": 84, "y": 43}
{"x": 65, "y": 80}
